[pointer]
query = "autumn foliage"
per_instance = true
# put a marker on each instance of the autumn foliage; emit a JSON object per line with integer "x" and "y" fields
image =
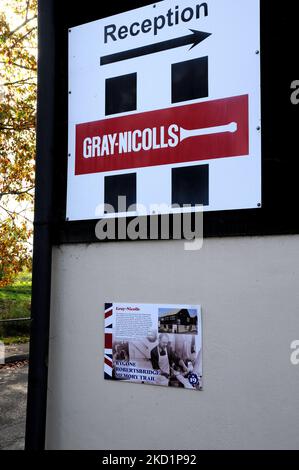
{"x": 18, "y": 71}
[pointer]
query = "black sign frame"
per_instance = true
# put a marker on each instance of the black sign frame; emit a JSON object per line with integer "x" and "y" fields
{"x": 277, "y": 216}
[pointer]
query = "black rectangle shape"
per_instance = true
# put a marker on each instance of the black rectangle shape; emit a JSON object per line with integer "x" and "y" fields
{"x": 121, "y": 185}
{"x": 121, "y": 94}
{"x": 190, "y": 185}
{"x": 190, "y": 80}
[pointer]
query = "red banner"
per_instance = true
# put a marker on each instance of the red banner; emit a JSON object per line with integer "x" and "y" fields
{"x": 201, "y": 131}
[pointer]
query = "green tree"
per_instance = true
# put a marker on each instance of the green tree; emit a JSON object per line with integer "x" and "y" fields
{"x": 18, "y": 77}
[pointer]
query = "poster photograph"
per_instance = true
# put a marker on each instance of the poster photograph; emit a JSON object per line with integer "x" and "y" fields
{"x": 154, "y": 344}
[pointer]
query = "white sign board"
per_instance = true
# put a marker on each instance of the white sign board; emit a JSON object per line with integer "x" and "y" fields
{"x": 164, "y": 109}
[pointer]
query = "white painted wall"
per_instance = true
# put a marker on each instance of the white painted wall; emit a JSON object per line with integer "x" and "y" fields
{"x": 249, "y": 290}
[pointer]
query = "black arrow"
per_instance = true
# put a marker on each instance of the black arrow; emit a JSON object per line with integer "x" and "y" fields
{"x": 195, "y": 38}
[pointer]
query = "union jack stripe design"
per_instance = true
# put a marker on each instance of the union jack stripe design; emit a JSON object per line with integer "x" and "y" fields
{"x": 108, "y": 358}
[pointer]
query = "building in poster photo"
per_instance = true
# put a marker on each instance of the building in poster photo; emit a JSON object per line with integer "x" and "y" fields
{"x": 154, "y": 344}
{"x": 177, "y": 321}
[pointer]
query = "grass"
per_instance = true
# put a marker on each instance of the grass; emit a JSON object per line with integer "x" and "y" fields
{"x": 9, "y": 340}
{"x": 15, "y": 299}
{"x": 15, "y": 303}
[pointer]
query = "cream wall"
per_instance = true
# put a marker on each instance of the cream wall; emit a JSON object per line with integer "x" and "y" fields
{"x": 249, "y": 292}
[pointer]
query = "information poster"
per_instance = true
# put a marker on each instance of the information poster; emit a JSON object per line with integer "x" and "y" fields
{"x": 154, "y": 344}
